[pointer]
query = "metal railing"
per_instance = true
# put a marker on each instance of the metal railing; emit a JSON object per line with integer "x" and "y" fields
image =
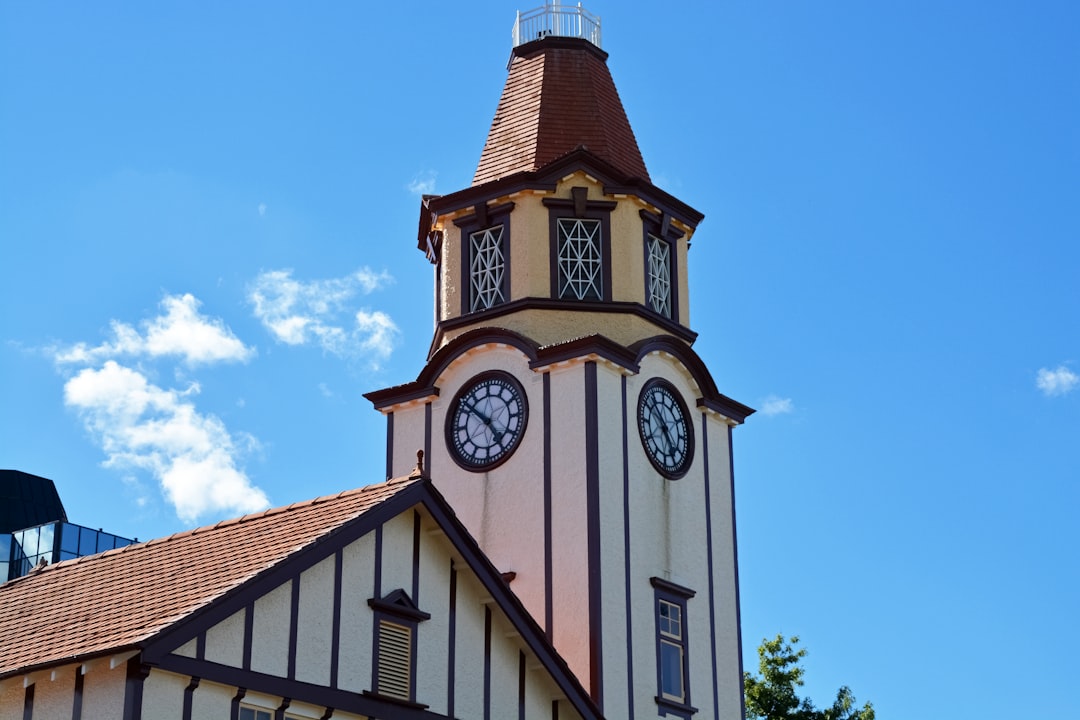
{"x": 558, "y": 20}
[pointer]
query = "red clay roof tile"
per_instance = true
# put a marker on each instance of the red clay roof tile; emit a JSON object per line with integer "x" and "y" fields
{"x": 103, "y": 603}
{"x": 559, "y": 95}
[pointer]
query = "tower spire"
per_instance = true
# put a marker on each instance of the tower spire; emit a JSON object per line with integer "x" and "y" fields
{"x": 559, "y": 97}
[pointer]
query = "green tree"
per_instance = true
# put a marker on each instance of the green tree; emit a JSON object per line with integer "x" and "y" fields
{"x": 772, "y": 696}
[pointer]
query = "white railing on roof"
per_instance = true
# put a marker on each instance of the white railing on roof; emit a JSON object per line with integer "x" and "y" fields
{"x": 558, "y": 20}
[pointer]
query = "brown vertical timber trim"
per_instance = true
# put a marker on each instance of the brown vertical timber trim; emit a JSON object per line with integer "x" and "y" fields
{"x": 28, "y": 702}
{"x": 451, "y": 651}
{"x": 189, "y": 697}
{"x": 377, "y": 592}
{"x": 709, "y": 556}
{"x": 735, "y": 552}
{"x": 626, "y": 552}
{"x": 249, "y": 625}
{"x": 234, "y": 710}
{"x": 200, "y": 646}
{"x": 416, "y": 558}
{"x": 335, "y": 632}
{"x": 294, "y": 622}
{"x": 554, "y": 710}
{"x": 521, "y": 685}
{"x": 389, "y": 446}
{"x": 76, "y": 701}
{"x": 279, "y": 714}
{"x": 427, "y": 441}
{"x": 487, "y": 662}
{"x": 592, "y": 501}
{"x": 133, "y": 688}
{"x": 549, "y": 612}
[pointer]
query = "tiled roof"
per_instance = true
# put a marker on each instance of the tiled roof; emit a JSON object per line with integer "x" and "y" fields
{"x": 104, "y": 603}
{"x": 558, "y": 96}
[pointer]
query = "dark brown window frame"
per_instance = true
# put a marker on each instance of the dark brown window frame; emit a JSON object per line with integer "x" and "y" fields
{"x": 666, "y": 591}
{"x": 579, "y": 207}
{"x": 661, "y": 227}
{"x": 483, "y": 218}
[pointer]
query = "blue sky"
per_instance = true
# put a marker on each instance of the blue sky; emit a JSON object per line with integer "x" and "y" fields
{"x": 207, "y": 228}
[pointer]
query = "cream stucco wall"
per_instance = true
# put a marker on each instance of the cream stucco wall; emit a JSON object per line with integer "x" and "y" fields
{"x": 163, "y": 696}
{"x": 357, "y": 625}
{"x": 530, "y": 269}
{"x": 270, "y": 631}
{"x": 314, "y": 635}
{"x": 225, "y": 641}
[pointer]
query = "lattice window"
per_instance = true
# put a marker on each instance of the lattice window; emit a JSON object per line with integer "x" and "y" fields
{"x": 395, "y": 660}
{"x": 672, "y": 669}
{"x": 659, "y": 276}
{"x": 487, "y": 268}
{"x": 580, "y": 259}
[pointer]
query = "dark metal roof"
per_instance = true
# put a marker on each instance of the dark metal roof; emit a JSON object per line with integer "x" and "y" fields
{"x": 27, "y": 500}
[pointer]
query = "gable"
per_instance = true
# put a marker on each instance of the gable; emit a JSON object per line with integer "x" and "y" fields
{"x": 312, "y": 637}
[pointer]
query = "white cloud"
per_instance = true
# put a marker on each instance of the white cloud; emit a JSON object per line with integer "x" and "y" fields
{"x": 773, "y": 405}
{"x": 262, "y": 209}
{"x": 423, "y": 183}
{"x": 179, "y": 331}
{"x": 1059, "y": 381}
{"x": 316, "y": 312}
{"x": 142, "y": 426}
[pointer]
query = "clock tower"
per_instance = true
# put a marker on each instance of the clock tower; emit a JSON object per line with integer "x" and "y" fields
{"x": 562, "y": 411}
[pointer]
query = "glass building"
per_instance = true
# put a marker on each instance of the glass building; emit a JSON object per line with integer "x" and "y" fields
{"x": 34, "y": 527}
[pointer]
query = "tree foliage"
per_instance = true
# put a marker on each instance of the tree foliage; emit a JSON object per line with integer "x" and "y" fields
{"x": 772, "y": 696}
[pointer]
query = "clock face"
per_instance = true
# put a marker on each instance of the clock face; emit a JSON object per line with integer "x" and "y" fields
{"x": 665, "y": 432}
{"x": 486, "y": 421}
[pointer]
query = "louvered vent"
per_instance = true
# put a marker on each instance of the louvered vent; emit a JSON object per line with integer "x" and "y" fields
{"x": 395, "y": 660}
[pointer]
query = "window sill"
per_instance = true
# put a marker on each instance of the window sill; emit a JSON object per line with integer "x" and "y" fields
{"x": 672, "y": 707}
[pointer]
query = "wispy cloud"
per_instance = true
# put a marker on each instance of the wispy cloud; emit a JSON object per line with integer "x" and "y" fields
{"x": 423, "y": 183}
{"x": 322, "y": 312}
{"x": 1059, "y": 381}
{"x": 140, "y": 425}
{"x": 180, "y": 331}
{"x": 143, "y": 427}
{"x": 773, "y": 405}
{"x": 262, "y": 209}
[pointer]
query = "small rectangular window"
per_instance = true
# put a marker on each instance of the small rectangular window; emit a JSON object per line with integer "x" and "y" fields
{"x": 580, "y": 259}
{"x": 487, "y": 268}
{"x": 672, "y": 648}
{"x": 659, "y": 276}
{"x": 250, "y": 713}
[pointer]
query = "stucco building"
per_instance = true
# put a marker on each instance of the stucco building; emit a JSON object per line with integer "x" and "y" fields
{"x": 562, "y": 546}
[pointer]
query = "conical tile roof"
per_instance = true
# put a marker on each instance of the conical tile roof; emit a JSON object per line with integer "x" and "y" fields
{"x": 559, "y": 96}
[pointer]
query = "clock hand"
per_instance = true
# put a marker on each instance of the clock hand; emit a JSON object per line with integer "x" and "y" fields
{"x": 663, "y": 427}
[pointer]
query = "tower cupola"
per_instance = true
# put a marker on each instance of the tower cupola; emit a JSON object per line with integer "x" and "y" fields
{"x": 561, "y": 233}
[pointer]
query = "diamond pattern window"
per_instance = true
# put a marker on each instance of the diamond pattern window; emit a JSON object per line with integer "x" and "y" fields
{"x": 487, "y": 268}
{"x": 580, "y": 259}
{"x": 659, "y": 276}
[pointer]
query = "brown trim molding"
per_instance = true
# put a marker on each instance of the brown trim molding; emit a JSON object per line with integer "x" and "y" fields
{"x": 137, "y": 672}
{"x": 367, "y": 704}
{"x": 592, "y": 502}
{"x": 552, "y": 303}
{"x": 709, "y": 560}
{"x": 711, "y": 398}
{"x": 614, "y": 182}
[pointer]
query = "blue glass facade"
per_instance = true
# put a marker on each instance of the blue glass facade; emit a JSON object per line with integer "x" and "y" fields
{"x": 23, "y": 549}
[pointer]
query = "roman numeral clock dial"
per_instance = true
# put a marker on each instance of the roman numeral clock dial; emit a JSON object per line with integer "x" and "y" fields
{"x": 486, "y": 421}
{"x": 667, "y": 436}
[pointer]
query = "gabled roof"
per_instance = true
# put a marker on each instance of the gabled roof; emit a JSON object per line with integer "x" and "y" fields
{"x": 559, "y": 95}
{"x": 155, "y": 596}
{"x": 104, "y": 603}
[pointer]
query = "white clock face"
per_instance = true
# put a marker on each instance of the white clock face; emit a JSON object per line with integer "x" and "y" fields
{"x": 486, "y": 421}
{"x": 665, "y": 432}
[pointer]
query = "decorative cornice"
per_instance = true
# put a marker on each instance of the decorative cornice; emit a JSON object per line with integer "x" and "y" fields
{"x": 682, "y": 332}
